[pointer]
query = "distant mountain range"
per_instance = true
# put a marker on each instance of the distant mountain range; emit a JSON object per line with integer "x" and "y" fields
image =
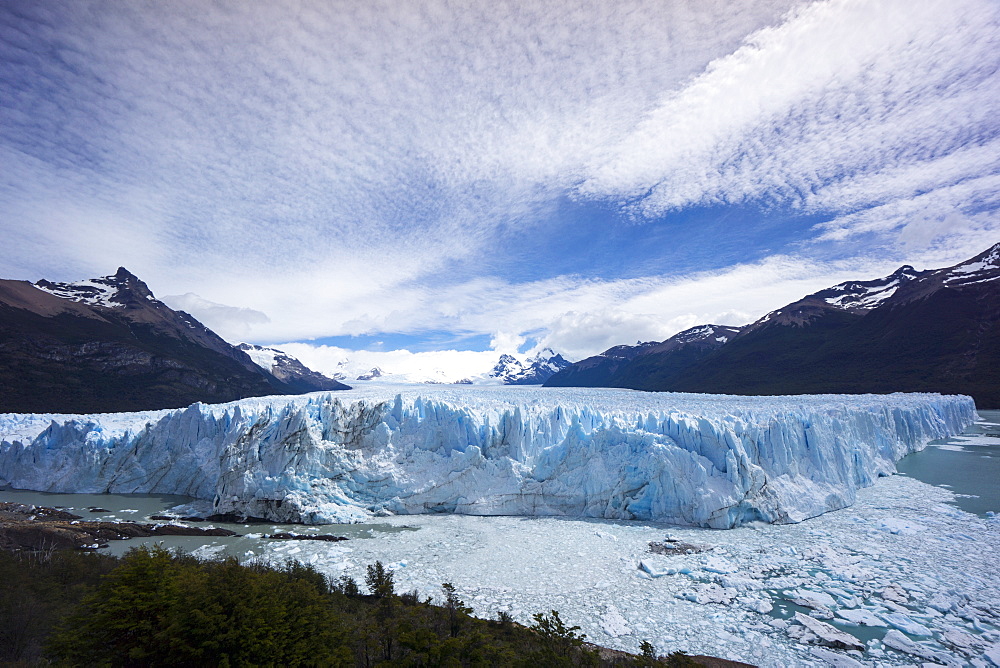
{"x": 289, "y": 370}
{"x": 508, "y": 370}
{"x": 911, "y": 331}
{"x": 534, "y": 371}
{"x": 108, "y": 345}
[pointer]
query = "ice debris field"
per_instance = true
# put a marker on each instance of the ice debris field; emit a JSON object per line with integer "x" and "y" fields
{"x": 698, "y": 460}
{"x": 899, "y": 579}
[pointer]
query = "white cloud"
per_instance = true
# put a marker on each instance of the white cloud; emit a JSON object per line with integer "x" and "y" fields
{"x": 269, "y": 137}
{"x": 506, "y": 342}
{"x": 373, "y": 167}
{"x": 845, "y": 104}
{"x": 232, "y": 323}
{"x": 940, "y": 226}
{"x": 446, "y": 366}
{"x": 580, "y": 317}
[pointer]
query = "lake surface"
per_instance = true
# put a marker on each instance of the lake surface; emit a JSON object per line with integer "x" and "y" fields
{"x": 139, "y": 508}
{"x": 968, "y": 465}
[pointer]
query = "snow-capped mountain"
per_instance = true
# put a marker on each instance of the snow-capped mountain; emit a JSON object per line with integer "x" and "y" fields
{"x": 402, "y": 367}
{"x": 114, "y": 291}
{"x": 107, "y": 344}
{"x": 856, "y": 297}
{"x": 534, "y": 371}
{"x": 979, "y": 273}
{"x": 933, "y": 330}
{"x": 861, "y": 296}
{"x": 289, "y": 370}
{"x": 372, "y": 374}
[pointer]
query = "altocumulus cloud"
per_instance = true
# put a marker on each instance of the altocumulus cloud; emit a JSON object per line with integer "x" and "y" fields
{"x": 362, "y": 167}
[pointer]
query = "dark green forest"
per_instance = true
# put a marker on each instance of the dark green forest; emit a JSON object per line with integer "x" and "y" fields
{"x": 153, "y": 607}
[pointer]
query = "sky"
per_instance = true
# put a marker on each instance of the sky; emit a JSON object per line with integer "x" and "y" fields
{"x": 452, "y": 179}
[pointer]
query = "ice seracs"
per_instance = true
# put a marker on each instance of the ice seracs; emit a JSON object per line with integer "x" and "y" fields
{"x": 701, "y": 460}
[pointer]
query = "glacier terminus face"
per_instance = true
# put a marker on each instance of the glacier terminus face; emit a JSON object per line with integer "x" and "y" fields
{"x": 700, "y": 460}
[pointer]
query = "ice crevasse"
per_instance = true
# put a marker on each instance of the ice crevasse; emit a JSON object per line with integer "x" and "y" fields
{"x": 703, "y": 460}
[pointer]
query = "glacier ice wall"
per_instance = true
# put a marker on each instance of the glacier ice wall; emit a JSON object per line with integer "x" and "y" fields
{"x": 703, "y": 460}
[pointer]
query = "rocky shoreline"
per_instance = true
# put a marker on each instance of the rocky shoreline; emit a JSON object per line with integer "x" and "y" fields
{"x": 25, "y": 527}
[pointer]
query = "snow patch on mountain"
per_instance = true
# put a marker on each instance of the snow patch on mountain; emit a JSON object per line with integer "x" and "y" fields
{"x": 534, "y": 371}
{"x": 372, "y": 374}
{"x": 984, "y": 267}
{"x": 265, "y": 358}
{"x": 101, "y": 291}
{"x": 698, "y": 333}
{"x": 702, "y": 460}
{"x": 869, "y": 299}
{"x": 95, "y": 292}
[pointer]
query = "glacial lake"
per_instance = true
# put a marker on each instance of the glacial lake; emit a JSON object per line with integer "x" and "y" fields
{"x": 968, "y": 465}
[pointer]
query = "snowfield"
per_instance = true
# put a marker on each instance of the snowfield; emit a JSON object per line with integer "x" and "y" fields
{"x": 697, "y": 460}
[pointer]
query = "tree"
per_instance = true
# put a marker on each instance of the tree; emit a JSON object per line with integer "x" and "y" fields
{"x": 551, "y": 627}
{"x": 379, "y": 581}
{"x": 456, "y": 608}
{"x": 561, "y": 645}
{"x": 346, "y": 585}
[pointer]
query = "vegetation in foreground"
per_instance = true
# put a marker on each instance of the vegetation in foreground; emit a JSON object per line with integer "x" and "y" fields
{"x": 154, "y": 607}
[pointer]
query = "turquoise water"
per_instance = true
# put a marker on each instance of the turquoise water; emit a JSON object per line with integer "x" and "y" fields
{"x": 968, "y": 465}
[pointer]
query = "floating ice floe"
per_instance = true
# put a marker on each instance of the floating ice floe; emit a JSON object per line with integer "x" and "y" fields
{"x": 825, "y": 634}
{"x": 897, "y": 641}
{"x": 906, "y": 625}
{"x": 861, "y": 617}
{"x": 898, "y": 526}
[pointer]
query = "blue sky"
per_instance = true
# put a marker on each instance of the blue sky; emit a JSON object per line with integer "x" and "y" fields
{"x": 436, "y": 175}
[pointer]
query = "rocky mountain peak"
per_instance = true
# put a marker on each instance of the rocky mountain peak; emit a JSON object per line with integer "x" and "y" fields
{"x": 535, "y": 370}
{"x": 371, "y": 375}
{"x": 121, "y": 289}
{"x": 289, "y": 370}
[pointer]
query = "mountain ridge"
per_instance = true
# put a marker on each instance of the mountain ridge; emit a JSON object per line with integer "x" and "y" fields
{"x": 289, "y": 369}
{"x": 533, "y": 371}
{"x": 914, "y": 331}
{"x": 108, "y": 345}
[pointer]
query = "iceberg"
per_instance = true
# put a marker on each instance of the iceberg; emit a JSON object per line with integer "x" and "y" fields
{"x": 699, "y": 460}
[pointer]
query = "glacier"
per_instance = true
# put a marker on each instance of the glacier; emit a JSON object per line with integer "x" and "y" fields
{"x": 698, "y": 460}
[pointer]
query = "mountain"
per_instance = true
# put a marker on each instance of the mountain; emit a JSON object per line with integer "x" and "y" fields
{"x": 289, "y": 370}
{"x": 599, "y": 370}
{"x": 912, "y": 331}
{"x": 374, "y": 373}
{"x": 534, "y": 371}
{"x": 108, "y": 345}
{"x": 855, "y": 297}
{"x": 614, "y": 367}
